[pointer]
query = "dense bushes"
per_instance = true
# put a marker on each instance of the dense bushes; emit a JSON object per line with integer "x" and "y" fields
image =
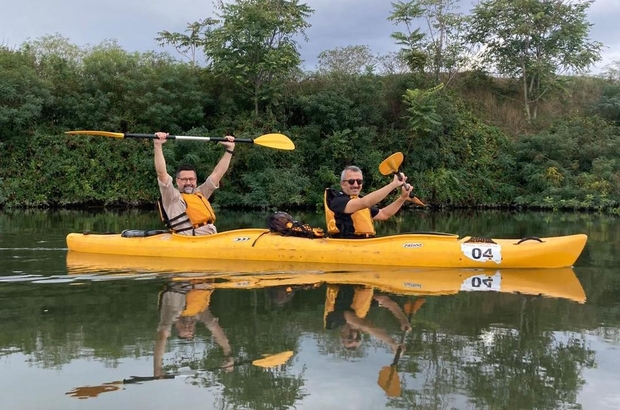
{"x": 457, "y": 150}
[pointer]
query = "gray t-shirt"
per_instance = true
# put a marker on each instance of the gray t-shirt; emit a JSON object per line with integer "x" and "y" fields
{"x": 175, "y": 205}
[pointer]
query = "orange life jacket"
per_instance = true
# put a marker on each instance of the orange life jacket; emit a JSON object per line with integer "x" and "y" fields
{"x": 360, "y": 303}
{"x": 196, "y": 301}
{"x": 198, "y": 213}
{"x": 362, "y": 219}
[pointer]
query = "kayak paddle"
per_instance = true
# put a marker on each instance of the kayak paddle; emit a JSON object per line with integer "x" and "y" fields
{"x": 276, "y": 141}
{"x": 391, "y": 165}
{"x": 388, "y": 376}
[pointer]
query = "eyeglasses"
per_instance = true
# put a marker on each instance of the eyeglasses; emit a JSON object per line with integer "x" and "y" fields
{"x": 186, "y": 179}
{"x": 353, "y": 181}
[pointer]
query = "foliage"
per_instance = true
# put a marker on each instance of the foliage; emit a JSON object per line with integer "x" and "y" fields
{"x": 441, "y": 47}
{"x": 460, "y": 161}
{"x": 573, "y": 165}
{"x": 608, "y": 106}
{"x": 532, "y": 41}
{"x": 189, "y": 44}
{"x": 347, "y": 60}
{"x": 411, "y": 40}
{"x": 456, "y": 154}
{"x": 255, "y": 44}
{"x": 23, "y": 93}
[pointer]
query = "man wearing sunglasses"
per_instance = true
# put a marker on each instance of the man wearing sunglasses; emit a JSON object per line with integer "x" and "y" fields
{"x": 186, "y": 208}
{"x": 349, "y": 215}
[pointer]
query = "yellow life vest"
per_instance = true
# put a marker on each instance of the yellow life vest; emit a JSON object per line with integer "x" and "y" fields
{"x": 196, "y": 301}
{"x": 362, "y": 220}
{"x": 199, "y": 210}
{"x": 360, "y": 304}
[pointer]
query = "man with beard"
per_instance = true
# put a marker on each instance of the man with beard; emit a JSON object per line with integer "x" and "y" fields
{"x": 187, "y": 207}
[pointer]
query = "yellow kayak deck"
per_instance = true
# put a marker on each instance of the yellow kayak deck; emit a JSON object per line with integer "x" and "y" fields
{"x": 404, "y": 250}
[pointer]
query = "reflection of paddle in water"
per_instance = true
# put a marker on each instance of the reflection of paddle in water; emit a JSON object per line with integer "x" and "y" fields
{"x": 266, "y": 361}
{"x": 87, "y": 392}
{"x": 388, "y": 376}
{"x": 182, "y": 305}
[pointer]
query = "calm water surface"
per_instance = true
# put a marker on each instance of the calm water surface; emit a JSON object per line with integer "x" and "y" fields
{"x": 74, "y": 330}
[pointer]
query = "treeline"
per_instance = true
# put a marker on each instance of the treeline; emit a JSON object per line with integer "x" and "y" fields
{"x": 469, "y": 139}
{"x": 457, "y": 153}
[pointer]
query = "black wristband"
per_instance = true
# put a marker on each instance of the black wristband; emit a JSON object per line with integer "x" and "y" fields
{"x": 231, "y": 152}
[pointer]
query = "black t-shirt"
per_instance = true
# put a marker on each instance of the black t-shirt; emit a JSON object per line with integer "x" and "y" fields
{"x": 344, "y": 222}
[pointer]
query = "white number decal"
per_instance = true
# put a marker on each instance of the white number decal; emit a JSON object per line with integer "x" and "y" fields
{"x": 483, "y": 283}
{"x": 482, "y": 252}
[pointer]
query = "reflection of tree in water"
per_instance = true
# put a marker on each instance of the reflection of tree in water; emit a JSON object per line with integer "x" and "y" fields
{"x": 521, "y": 366}
{"x": 269, "y": 389}
{"x": 529, "y": 367}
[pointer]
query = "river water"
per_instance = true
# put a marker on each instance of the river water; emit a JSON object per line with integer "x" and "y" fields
{"x": 80, "y": 333}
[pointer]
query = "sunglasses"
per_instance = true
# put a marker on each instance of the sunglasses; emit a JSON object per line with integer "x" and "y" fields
{"x": 186, "y": 179}
{"x": 353, "y": 181}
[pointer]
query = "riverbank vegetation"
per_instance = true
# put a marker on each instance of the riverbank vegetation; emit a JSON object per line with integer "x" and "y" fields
{"x": 504, "y": 129}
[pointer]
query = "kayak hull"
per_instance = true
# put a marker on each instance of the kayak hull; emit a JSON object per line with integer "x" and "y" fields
{"x": 404, "y": 250}
{"x": 238, "y": 274}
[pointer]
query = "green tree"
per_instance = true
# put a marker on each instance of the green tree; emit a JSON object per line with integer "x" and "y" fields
{"x": 23, "y": 93}
{"x": 59, "y": 63}
{"x": 189, "y": 44}
{"x": 533, "y": 41}
{"x": 255, "y": 44}
{"x": 411, "y": 40}
{"x": 444, "y": 43}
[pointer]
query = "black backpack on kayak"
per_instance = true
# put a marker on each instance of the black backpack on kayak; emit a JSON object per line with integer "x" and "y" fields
{"x": 284, "y": 224}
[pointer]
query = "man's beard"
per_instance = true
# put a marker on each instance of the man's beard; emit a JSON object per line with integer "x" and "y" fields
{"x": 188, "y": 189}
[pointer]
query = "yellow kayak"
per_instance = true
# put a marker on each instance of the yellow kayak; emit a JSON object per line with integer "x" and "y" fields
{"x": 231, "y": 274}
{"x": 409, "y": 250}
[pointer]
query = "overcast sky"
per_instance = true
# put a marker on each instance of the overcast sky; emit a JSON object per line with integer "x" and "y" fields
{"x": 335, "y": 23}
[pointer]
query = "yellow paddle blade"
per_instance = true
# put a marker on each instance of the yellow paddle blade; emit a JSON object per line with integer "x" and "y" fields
{"x": 85, "y": 392}
{"x": 277, "y": 141}
{"x": 99, "y": 133}
{"x": 416, "y": 201}
{"x": 273, "y": 360}
{"x": 391, "y": 164}
{"x": 389, "y": 381}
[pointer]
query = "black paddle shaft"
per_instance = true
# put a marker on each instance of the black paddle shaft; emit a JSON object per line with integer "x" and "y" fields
{"x": 173, "y": 137}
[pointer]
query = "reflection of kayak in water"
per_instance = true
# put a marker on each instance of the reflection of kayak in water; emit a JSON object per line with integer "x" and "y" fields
{"x": 561, "y": 283}
{"x": 410, "y": 250}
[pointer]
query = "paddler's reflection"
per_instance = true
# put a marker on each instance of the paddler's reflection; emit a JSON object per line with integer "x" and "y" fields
{"x": 183, "y": 305}
{"x": 346, "y": 308}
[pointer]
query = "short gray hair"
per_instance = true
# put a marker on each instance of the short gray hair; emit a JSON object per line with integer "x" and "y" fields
{"x": 350, "y": 168}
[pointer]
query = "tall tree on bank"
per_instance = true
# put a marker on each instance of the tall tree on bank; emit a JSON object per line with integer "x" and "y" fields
{"x": 534, "y": 41}
{"x": 411, "y": 40}
{"x": 439, "y": 49}
{"x": 188, "y": 44}
{"x": 255, "y": 44}
{"x": 444, "y": 43}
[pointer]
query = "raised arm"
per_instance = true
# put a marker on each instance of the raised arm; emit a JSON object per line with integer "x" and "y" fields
{"x": 391, "y": 209}
{"x": 374, "y": 197}
{"x": 222, "y": 166}
{"x": 160, "y": 161}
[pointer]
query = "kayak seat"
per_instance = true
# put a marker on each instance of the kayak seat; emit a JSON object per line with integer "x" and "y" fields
{"x": 137, "y": 233}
